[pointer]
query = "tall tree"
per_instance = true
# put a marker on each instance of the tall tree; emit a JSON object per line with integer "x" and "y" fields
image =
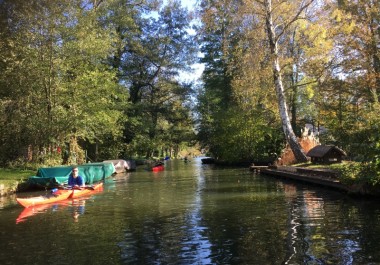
{"x": 236, "y": 105}
{"x": 359, "y": 43}
{"x": 217, "y": 40}
{"x": 274, "y": 33}
{"x": 56, "y": 85}
{"x": 350, "y": 94}
{"x": 152, "y": 51}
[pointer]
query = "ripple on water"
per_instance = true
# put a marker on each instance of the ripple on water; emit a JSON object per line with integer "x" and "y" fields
{"x": 190, "y": 214}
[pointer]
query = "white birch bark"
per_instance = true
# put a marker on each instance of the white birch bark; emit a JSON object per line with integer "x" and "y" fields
{"x": 281, "y": 100}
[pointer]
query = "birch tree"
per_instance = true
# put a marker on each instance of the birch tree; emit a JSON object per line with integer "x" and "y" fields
{"x": 274, "y": 34}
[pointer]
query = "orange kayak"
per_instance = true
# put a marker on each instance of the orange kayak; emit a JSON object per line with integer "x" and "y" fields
{"x": 54, "y": 197}
{"x": 86, "y": 190}
{"x": 37, "y": 209}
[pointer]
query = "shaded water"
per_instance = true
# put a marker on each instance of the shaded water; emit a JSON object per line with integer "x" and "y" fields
{"x": 194, "y": 214}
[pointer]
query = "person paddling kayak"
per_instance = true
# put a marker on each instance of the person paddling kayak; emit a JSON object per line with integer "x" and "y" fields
{"x": 75, "y": 180}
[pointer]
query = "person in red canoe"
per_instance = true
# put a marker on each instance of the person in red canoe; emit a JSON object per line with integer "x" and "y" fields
{"x": 75, "y": 180}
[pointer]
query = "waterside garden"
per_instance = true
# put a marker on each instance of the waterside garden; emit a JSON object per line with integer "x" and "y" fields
{"x": 12, "y": 180}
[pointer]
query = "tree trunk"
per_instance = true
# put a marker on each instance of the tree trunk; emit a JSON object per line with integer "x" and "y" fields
{"x": 294, "y": 80}
{"x": 291, "y": 138}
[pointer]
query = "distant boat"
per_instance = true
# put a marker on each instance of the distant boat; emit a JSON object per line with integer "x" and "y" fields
{"x": 208, "y": 160}
{"x": 122, "y": 165}
{"x": 159, "y": 166}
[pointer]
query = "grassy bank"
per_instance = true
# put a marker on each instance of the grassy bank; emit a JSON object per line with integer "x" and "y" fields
{"x": 11, "y": 178}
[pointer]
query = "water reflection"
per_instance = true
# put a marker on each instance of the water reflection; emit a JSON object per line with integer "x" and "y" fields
{"x": 171, "y": 232}
{"x": 26, "y": 213}
{"x": 197, "y": 214}
{"x": 196, "y": 248}
{"x": 323, "y": 229}
{"x": 77, "y": 208}
{"x": 6, "y": 201}
{"x": 231, "y": 217}
{"x": 306, "y": 213}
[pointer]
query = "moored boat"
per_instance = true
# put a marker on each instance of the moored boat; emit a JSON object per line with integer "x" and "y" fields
{"x": 208, "y": 160}
{"x": 56, "y": 196}
{"x": 121, "y": 165}
{"x": 54, "y": 176}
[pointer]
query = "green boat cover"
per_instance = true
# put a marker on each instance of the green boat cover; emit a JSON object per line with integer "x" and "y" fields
{"x": 91, "y": 173}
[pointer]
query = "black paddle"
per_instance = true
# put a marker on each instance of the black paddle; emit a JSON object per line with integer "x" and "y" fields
{"x": 67, "y": 187}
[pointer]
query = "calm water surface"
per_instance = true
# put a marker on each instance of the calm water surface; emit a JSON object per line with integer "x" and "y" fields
{"x": 194, "y": 214}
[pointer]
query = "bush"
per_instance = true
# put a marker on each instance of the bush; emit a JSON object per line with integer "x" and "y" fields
{"x": 359, "y": 173}
{"x": 349, "y": 172}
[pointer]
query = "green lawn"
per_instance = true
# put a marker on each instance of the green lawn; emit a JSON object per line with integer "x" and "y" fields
{"x": 10, "y": 178}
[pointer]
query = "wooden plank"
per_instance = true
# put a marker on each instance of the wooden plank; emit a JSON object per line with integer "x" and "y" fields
{"x": 327, "y": 182}
{"x": 257, "y": 168}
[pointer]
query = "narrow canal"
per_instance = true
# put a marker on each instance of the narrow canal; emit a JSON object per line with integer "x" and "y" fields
{"x": 194, "y": 214}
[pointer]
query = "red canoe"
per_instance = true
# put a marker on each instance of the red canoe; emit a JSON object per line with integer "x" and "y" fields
{"x": 54, "y": 197}
{"x": 86, "y": 190}
{"x": 158, "y": 168}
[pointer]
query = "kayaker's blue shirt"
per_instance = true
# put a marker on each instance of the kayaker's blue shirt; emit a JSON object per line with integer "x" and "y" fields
{"x": 75, "y": 181}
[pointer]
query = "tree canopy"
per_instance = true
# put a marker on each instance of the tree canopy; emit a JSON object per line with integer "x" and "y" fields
{"x": 290, "y": 63}
{"x": 95, "y": 78}
{"x": 101, "y": 78}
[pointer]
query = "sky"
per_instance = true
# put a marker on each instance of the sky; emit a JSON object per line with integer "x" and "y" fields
{"x": 188, "y": 3}
{"x": 197, "y": 68}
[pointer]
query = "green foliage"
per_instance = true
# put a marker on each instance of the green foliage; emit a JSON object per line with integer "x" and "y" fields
{"x": 12, "y": 178}
{"x": 244, "y": 137}
{"x": 355, "y": 173}
{"x": 159, "y": 47}
{"x": 329, "y": 64}
{"x": 67, "y": 71}
{"x": 349, "y": 173}
{"x": 104, "y": 75}
{"x": 58, "y": 87}
{"x": 354, "y": 126}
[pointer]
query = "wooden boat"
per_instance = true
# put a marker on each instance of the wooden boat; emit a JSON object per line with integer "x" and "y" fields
{"x": 56, "y": 196}
{"x": 88, "y": 190}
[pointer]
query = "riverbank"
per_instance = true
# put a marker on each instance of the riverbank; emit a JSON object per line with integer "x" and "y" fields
{"x": 326, "y": 177}
{"x": 12, "y": 179}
